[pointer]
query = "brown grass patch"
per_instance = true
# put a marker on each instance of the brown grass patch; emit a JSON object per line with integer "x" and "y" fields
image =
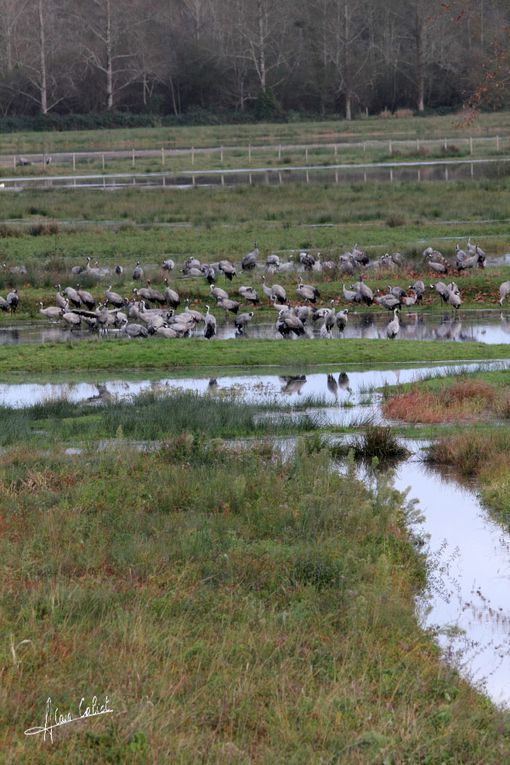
{"x": 465, "y": 400}
{"x": 484, "y": 455}
{"x": 471, "y": 389}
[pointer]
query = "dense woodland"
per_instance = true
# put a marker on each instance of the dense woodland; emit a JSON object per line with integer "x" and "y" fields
{"x": 255, "y": 56}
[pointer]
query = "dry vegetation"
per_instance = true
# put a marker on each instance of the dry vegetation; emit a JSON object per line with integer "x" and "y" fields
{"x": 464, "y": 401}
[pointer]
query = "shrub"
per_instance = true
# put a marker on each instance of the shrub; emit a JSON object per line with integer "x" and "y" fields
{"x": 393, "y": 221}
{"x": 44, "y": 229}
{"x": 404, "y": 113}
{"x": 450, "y": 149}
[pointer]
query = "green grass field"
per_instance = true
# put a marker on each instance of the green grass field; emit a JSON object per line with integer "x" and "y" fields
{"x": 231, "y": 135}
{"x": 380, "y": 215}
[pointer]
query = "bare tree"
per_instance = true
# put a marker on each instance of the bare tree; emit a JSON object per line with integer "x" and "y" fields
{"x": 342, "y": 29}
{"x": 35, "y": 51}
{"x": 262, "y": 28}
{"x": 107, "y": 43}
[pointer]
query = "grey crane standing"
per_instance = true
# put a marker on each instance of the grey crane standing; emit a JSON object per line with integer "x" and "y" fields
{"x": 210, "y": 324}
{"x": 137, "y": 272}
{"x": 393, "y": 328}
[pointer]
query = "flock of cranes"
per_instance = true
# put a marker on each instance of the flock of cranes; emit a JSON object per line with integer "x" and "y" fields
{"x": 161, "y": 311}
{"x": 152, "y": 311}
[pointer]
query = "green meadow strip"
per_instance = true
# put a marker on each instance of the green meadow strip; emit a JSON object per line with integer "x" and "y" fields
{"x": 194, "y": 353}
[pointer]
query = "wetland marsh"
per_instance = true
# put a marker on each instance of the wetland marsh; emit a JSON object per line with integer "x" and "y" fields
{"x": 177, "y": 531}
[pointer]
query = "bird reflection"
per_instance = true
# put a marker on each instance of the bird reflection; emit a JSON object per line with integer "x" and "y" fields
{"x": 449, "y": 329}
{"x": 292, "y": 384}
{"x": 332, "y": 386}
{"x": 103, "y": 395}
{"x": 505, "y": 324}
{"x": 343, "y": 382}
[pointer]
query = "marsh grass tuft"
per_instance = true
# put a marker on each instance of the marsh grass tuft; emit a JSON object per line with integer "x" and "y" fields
{"x": 376, "y": 441}
{"x": 483, "y": 456}
{"x": 150, "y": 416}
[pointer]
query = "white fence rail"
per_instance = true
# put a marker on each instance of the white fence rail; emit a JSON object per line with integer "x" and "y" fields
{"x": 165, "y": 155}
{"x": 432, "y": 170}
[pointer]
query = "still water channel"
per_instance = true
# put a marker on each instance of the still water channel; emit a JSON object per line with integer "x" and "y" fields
{"x": 482, "y": 326}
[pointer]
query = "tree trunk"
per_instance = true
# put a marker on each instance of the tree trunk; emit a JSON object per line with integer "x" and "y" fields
{"x": 174, "y": 100}
{"x": 482, "y": 27}
{"x": 347, "y": 62}
{"x": 8, "y": 48}
{"x": 420, "y": 67}
{"x": 262, "y": 45}
{"x": 109, "y": 58}
{"x": 43, "y": 87}
{"x": 144, "y": 89}
{"x": 348, "y": 106}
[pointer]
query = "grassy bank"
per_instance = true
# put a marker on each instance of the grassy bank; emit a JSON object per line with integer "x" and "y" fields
{"x": 234, "y": 607}
{"x": 156, "y": 353}
{"x": 467, "y": 400}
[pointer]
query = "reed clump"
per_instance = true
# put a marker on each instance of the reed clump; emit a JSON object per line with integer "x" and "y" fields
{"x": 377, "y": 441}
{"x": 148, "y": 417}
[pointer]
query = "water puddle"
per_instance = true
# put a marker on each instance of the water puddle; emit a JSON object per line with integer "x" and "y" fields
{"x": 470, "y": 326}
{"x": 341, "y": 397}
{"x": 468, "y": 599}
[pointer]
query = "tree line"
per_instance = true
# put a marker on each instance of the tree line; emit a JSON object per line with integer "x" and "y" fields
{"x": 257, "y": 56}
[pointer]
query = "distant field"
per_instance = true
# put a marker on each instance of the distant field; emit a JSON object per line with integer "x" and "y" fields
{"x": 216, "y": 135}
{"x": 376, "y": 214}
{"x": 214, "y": 221}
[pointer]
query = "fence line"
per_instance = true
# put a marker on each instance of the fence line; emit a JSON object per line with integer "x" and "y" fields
{"x": 410, "y": 170}
{"x": 165, "y": 154}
